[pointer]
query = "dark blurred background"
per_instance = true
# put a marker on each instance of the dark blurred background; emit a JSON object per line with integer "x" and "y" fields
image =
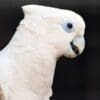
{"x": 77, "y": 79}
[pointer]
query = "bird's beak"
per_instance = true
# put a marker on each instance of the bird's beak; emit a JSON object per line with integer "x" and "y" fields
{"x": 74, "y": 48}
{"x": 78, "y": 45}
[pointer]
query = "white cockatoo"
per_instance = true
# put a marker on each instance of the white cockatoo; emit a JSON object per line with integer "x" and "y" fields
{"x": 27, "y": 63}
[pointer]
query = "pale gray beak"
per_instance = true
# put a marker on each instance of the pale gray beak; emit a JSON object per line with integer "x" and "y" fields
{"x": 78, "y": 45}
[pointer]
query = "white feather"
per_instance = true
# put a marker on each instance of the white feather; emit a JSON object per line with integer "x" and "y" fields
{"x": 27, "y": 63}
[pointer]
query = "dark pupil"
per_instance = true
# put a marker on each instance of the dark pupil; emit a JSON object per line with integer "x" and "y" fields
{"x": 69, "y": 25}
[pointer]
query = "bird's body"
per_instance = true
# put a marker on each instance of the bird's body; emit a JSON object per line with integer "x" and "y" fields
{"x": 20, "y": 66}
{"x": 27, "y": 63}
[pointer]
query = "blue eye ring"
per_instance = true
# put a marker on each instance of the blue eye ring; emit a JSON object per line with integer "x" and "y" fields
{"x": 68, "y": 27}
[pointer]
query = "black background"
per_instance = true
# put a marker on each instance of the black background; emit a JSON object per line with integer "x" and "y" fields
{"x": 76, "y": 79}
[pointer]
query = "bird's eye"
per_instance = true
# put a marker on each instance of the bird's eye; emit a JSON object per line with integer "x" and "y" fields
{"x": 69, "y": 27}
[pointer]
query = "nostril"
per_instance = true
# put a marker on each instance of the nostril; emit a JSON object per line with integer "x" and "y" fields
{"x": 74, "y": 48}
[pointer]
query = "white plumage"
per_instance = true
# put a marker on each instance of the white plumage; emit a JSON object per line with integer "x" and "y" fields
{"x": 28, "y": 62}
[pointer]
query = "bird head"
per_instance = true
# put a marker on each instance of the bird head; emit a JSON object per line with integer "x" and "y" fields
{"x": 60, "y": 28}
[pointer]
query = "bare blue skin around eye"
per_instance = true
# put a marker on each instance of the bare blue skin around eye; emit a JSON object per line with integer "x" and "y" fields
{"x": 68, "y": 27}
